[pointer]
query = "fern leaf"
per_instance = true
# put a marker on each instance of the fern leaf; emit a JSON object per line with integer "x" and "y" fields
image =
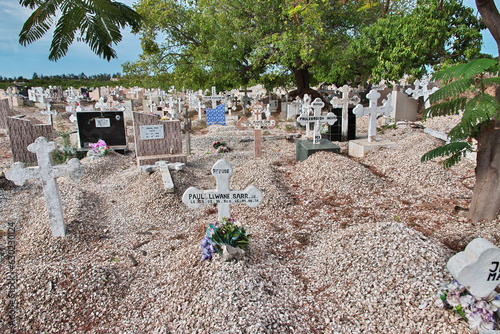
{"x": 454, "y": 149}
{"x": 452, "y": 89}
{"x": 446, "y": 108}
{"x": 490, "y": 81}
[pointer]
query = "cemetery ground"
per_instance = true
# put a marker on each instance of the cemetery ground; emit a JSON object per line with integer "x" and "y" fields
{"x": 338, "y": 245}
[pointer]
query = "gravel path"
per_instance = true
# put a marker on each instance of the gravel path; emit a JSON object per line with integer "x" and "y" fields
{"x": 339, "y": 245}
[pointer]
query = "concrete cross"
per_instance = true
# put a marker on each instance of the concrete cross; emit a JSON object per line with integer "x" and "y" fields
{"x": 306, "y": 110}
{"x": 344, "y": 103}
{"x": 47, "y": 173}
{"x": 373, "y": 111}
{"x": 257, "y": 124}
{"x": 293, "y": 108}
{"x": 10, "y": 94}
{"x": 422, "y": 90}
{"x": 214, "y": 97}
{"x": 222, "y": 195}
{"x": 100, "y": 104}
{"x": 317, "y": 119}
{"x": 245, "y": 98}
{"x": 48, "y": 111}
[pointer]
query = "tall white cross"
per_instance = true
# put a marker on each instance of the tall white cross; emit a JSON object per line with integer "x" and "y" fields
{"x": 344, "y": 103}
{"x": 222, "y": 195}
{"x": 306, "y": 110}
{"x": 47, "y": 173}
{"x": 214, "y": 97}
{"x": 373, "y": 111}
{"x": 317, "y": 119}
{"x": 101, "y": 104}
{"x": 10, "y": 94}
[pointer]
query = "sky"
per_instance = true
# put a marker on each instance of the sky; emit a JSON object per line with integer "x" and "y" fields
{"x": 17, "y": 60}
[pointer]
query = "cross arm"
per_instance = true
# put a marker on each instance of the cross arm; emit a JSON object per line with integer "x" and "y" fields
{"x": 19, "y": 174}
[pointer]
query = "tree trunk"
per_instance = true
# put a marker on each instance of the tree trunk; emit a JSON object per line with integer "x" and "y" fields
{"x": 301, "y": 79}
{"x": 485, "y": 203}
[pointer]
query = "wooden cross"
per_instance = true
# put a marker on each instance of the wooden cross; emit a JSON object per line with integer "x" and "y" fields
{"x": 47, "y": 173}
{"x": 186, "y": 126}
{"x": 344, "y": 102}
{"x": 257, "y": 124}
{"x": 222, "y": 195}
{"x": 317, "y": 119}
{"x": 373, "y": 111}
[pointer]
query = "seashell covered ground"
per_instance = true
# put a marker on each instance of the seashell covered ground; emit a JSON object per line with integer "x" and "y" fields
{"x": 338, "y": 245}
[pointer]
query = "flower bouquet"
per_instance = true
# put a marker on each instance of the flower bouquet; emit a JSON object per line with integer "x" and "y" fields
{"x": 221, "y": 147}
{"x": 98, "y": 149}
{"x": 224, "y": 232}
{"x": 479, "y": 313}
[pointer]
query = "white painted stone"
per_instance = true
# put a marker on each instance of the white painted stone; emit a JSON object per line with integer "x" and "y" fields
{"x": 359, "y": 147}
{"x": 47, "y": 173}
{"x": 222, "y": 195}
{"x": 373, "y": 111}
{"x": 477, "y": 267}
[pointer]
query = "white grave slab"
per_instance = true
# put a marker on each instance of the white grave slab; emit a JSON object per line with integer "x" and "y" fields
{"x": 477, "y": 267}
{"x": 222, "y": 195}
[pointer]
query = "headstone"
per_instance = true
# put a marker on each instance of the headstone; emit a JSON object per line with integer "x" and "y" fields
{"x": 317, "y": 119}
{"x": 106, "y": 125}
{"x": 257, "y": 124}
{"x": 128, "y": 108}
{"x": 294, "y": 108}
{"x": 344, "y": 103}
{"x": 405, "y": 108}
{"x": 477, "y": 267}
{"x": 373, "y": 111}
{"x": 47, "y": 173}
{"x": 5, "y": 110}
{"x": 217, "y": 115}
{"x": 222, "y": 195}
{"x": 157, "y": 140}
{"x": 21, "y": 134}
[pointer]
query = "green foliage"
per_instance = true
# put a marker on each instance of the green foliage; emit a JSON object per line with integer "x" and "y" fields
{"x": 65, "y": 150}
{"x": 97, "y": 23}
{"x": 479, "y": 110}
{"x": 408, "y": 44}
{"x": 226, "y": 232}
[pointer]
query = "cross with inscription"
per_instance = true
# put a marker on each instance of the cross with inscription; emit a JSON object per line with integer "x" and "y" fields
{"x": 344, "y": 103}
{"x": 373, "y": 111}
{"x": 306, "y": 110}
{"x": 257, "y": 124}
{"x": 317, "y": 119}
{"x": 47, "y": 173}
{"x": 222, "y": 196}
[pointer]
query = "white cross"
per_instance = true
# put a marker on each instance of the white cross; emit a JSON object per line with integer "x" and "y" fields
{"x": 317, "y": 119}
{"x": 100, "y": 104}
{"x": 222, "y": 196}
{"x": 294, "y": 107}
{"x": 421, "y": 90}
{"x": 10, "y": 95}
{"x": 344, "y": 102}
{"x": 214, "y": 97}
{"x": 306, "y": 110}
{"x": 47, "y": 173}
{"x": 373, "y": 111}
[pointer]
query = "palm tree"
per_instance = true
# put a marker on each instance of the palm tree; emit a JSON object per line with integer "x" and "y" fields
{"x": 95, "y": 22}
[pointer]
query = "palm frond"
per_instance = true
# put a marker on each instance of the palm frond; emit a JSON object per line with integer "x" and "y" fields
{"x": 39, "y": 22}
{"x": 478, "y": 110}
{"x": 452, "y": 89}
{"x": 446, "y": 108}
{"x": 454, "y": 149}
{"x": 65, "y": 31}
{"x": 465, "y": 71}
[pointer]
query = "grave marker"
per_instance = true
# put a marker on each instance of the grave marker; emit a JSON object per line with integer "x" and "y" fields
{"x": 222, "y": 195}
{"x": 106, "y": 125}
{"x": 21, "y": 134}
{"x": 373, "y": 111}
{"x": 47, "y": 173}
{"x": 164, "y": 167}
{"x": 164, "y": 144}
{"x": 477, "y": 267}
{"x": 217, "y": 115}
{"x": 317, "y": 119}
{"x": 344, "y": 103}
{"x": 257, "y": 124}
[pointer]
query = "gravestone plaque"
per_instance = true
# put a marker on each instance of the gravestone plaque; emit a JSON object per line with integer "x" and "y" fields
{"x": 335, "y": 131}
{"x": 106, "y": 125}
{"x": 477, "y": 267}
{"x": 152, "y": 132}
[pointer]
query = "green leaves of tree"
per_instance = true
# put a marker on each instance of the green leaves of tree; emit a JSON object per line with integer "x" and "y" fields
{"x": 461, "y": 81}
{"x": 95, "y": 22}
